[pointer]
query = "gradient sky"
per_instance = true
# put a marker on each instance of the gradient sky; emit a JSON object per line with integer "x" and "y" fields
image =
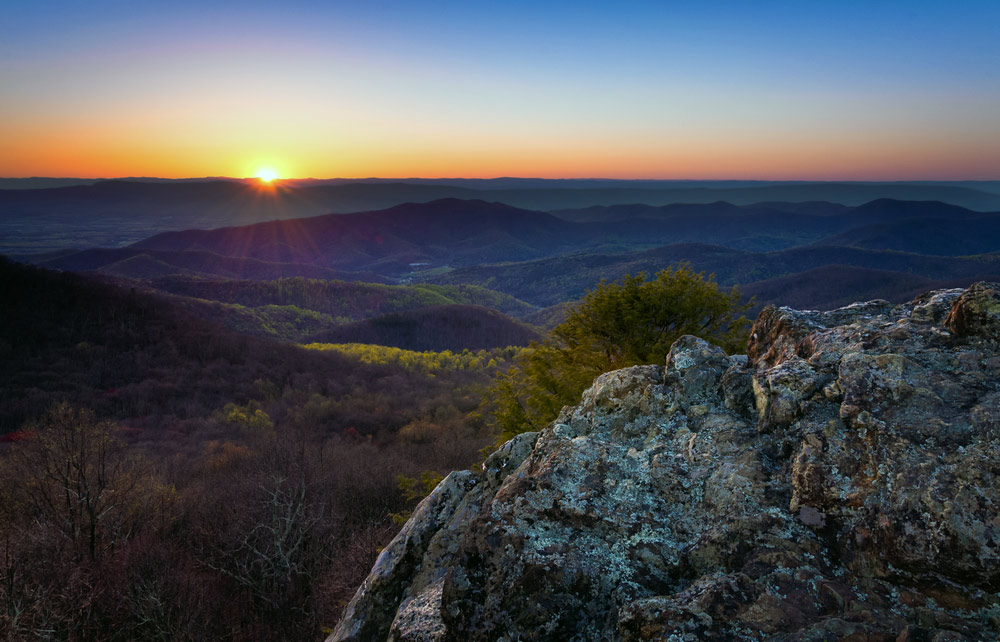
{"x": 743, "y": 90}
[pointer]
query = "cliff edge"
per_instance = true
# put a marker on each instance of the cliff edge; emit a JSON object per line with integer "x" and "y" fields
{"x": 839, "y": 482}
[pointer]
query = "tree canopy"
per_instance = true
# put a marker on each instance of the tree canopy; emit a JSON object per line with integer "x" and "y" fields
{"x": 628, "y": 322}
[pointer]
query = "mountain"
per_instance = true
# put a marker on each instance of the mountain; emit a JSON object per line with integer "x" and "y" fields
{"x": 931, "y": 235}
{"x": 884, "y": 210}
{"x": 296, "y": 309}
{"x": 456, "y": 233}
{"x": 344, "y": 300}
{"x": 438, "y": 328}
{"x": 432, "y": 234}
{"x": 545, "y": 260}
{"x": 392, "y": 241}
{"x": 834, "y": 286}
{"x": 148, "y": 264}
{"x": 837, "y": 482}
{"x": 87, "y": 213}
{"x": 126, "y": 353}
{"x": 549, "y": 281}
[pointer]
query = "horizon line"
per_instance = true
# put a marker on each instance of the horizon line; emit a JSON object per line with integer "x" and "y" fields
{"x": 501, "y": 178}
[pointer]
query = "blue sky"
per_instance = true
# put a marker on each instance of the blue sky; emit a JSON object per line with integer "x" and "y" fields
{"x": 653, "y": 90}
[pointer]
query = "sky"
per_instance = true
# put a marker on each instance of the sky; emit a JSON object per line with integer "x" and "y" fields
{"x": 803, "y": 90}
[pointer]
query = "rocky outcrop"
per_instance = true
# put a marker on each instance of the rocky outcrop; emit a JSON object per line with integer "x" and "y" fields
{"x": 840, "y": 482}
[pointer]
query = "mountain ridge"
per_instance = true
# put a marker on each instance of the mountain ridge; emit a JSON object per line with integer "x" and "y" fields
{"x": 546, "y": 260}
{"x": 117, "y": 212}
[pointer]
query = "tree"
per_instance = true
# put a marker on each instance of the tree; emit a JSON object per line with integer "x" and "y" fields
{"x": 74, "y": 477}
{"x": 620, "y": 324}
{"x": 76, "y": 511}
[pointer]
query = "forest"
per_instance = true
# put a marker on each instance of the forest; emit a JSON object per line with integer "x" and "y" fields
{"x": 225, "y": 486}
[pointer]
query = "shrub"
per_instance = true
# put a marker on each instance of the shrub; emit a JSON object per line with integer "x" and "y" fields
{"x": 625, "y": 323}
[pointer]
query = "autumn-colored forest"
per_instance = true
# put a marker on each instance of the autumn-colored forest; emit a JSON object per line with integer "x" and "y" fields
{"x": 163, "y": 478}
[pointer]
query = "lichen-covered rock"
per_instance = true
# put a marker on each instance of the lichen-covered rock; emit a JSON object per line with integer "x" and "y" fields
{"x": 977, "y": 312}
{"x": 373, "y": 609}
{"x": 400, "y": 599}
{"x": 842, "y": 482}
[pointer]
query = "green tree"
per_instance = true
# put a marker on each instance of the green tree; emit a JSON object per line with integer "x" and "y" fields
{"x": 629, "y": 322}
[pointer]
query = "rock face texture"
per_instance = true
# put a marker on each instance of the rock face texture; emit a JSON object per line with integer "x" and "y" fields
{"x": 840, "y": 482}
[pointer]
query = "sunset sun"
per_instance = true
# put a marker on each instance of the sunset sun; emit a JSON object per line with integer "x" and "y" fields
{"x": 267, "y": 174}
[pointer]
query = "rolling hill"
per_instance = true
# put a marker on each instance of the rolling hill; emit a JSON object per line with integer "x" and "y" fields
{"x": 545, "y": 260}
{"x": 550, "y": 281}
{"x": 446, "y": 327}
{"x": 150, "y": 264}
{"x": 295, "y": 309}
{"x": 392, "y": 241}
{"x": 833, "y": 286}
{"x": 937, "y": 236}
{"x": 347, "y": 300}
{"x": 131, "y": 354}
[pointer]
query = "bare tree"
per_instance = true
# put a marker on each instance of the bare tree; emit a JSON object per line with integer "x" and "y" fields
{"x": 74, "y": 477}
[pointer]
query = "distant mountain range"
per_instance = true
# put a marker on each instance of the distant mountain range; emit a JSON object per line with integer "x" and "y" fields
{"x": 549, "y": 281}
{"x": 422, "y": 240}
{"x": 807, "y": 254}
{"x": 395, "y": 241}
{"x": 44, "y": 215}
{"x": 833, "y": 286}
{"x": 943, "y": 236}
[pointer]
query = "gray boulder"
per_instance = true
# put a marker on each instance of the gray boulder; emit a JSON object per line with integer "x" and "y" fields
{"x": 840, "y": 482}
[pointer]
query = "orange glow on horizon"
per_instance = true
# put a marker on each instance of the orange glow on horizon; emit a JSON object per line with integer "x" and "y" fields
{"x": 96, "y": 150}
{"x": 62, "y": 153}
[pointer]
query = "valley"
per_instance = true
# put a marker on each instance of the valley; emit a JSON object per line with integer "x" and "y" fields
{"x": 336, "y": 365}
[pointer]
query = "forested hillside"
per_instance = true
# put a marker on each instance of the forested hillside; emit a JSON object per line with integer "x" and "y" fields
{"x": 150, "y": 264}
{"x": 444, "y": 327}
{"x": 258, "y": 477}
{"x": 128, "y": 354}
{"x": 298, "y": 309}
{"x": 344, "y": 301}
{"x": 550, "y": 281}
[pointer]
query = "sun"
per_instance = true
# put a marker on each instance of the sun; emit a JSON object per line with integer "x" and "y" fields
{"x": 267, "y": 174}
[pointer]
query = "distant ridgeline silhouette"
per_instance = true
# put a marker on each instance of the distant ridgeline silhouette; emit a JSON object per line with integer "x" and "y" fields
{"x": 56, "y": 214}
{"x": 545, "y": 258}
